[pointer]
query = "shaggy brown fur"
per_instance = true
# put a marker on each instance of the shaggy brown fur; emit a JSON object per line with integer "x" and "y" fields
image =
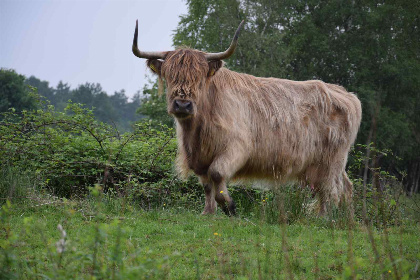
{"x": 245, "y": 127}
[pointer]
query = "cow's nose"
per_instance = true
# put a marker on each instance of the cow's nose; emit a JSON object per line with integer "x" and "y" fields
{"x": 183, "y": 106}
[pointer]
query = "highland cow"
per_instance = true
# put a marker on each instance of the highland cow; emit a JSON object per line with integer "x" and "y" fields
{"x": 237, "y": 126}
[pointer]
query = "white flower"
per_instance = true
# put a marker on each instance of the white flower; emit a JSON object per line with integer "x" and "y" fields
{"x": 61, "y": 244}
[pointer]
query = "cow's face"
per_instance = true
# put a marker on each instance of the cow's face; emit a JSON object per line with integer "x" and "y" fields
{"x": 186, "y": 73}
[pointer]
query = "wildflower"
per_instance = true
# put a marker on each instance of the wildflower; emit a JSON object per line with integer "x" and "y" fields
{"x": 263, "y": 200}
{"x": 221, "y": 191}
{"x": 61, "y": 244}
{"x": 215, "y": 234}
{"x": 63, "y": 232}
{"x": 389, "y": 271}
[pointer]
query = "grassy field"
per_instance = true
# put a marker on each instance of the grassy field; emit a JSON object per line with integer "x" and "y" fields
{"x": 131, "y": 217}
{"x": 114, "y": 240}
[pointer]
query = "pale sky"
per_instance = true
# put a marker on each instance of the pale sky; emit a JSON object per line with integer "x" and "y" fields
{"x": 80, "y": 41}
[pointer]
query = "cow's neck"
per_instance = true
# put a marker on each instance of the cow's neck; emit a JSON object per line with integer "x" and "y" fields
{"x": 186, "y": 125}
{"x": 192, "y": 145}
{"x": 190, "y": 129}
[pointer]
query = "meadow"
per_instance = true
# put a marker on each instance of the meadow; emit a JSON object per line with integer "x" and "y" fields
{"x": 108, "y": 238}
{"x": 81, "y": 201}
{"x": 92, "y": 194}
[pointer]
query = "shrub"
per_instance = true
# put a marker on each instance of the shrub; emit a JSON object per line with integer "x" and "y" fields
{"x": 71, "y": 151}
{"x": 68, "y": 152}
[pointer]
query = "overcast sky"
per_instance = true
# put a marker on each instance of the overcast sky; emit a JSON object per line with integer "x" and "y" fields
{"x": 80, "y": 41}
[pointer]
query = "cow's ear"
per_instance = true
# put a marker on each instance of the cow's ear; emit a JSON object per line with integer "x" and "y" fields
{"x": 214, "y": 66}
{"x": 154, "y": 65}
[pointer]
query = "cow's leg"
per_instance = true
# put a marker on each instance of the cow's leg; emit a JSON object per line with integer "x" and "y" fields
{"x": 221, "y": 170}
{"x": 224, "y": 200}
{"x": 333, "y": 189}
{"x": 322, "y": 201}
{"x": 209, "y": 191}
{"x": 219, "y": 193}
{"x": 318, "y": 179}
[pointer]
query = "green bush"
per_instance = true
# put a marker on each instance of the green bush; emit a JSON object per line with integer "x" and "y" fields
{"x": 380, "y": 203}
{"x": 70, "y": 151}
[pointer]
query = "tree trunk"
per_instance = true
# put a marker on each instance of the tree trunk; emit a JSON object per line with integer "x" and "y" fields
{"x": 413, "y": 178}
{"x": 365, "y": 176}
{"x": 375, "y": 157}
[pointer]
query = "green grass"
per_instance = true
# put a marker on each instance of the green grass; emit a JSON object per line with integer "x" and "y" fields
{"x": 114, "y": 240}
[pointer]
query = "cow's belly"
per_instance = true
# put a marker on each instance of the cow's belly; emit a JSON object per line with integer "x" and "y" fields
{"x": 279, "y": 169}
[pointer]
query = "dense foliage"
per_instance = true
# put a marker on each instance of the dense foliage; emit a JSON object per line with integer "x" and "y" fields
{"x": 14, "y": 93}
{"x": 370, "y": 47}
{"x": 153, "y": 106}
{"x": 73, "y": 186}
{"x": 107, "y": 235}
{"x": 116, "y": 110}
{"x": 70, "y": 152}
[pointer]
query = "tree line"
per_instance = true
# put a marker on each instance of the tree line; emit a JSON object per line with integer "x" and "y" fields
{"x": 372, "y": 48}
{"x": 117, "y": 109}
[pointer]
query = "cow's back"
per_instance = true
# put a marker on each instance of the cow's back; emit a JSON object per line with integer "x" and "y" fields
{"x": 288, "y": 125}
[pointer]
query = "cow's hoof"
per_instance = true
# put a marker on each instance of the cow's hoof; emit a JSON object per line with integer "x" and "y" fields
{"x": 229, "y": 210}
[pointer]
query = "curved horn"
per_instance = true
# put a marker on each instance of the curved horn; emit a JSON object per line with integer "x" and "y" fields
{"x": 149, "y": 55}
{"x": 227, "y": 53}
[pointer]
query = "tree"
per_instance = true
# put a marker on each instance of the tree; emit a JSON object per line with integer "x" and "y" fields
{"x": 92, "y": 96}
{"x": 153, "y": 106}
{"x": 210, "y": 25}
{"x": 370, "y": 47}
{"x": 62, "y": 94}
{"x": 125, "y": 109}
{"x": 14, "y": 93}
{"x": 119, "y": 100}
{"x": 43, "y": 87}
